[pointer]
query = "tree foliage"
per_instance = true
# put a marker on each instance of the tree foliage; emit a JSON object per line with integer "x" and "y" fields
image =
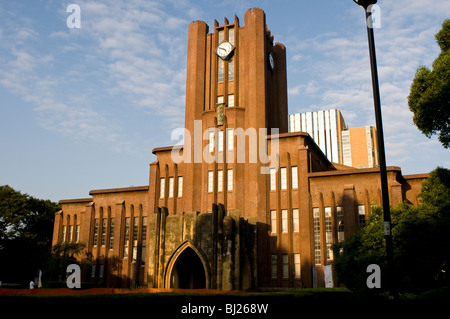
{"x": 26, "y": 229}
{"x": 429, "y": 97}
{"x": 420, "y": 237}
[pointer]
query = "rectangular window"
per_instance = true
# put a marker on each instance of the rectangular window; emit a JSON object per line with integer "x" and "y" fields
{"x": 273, "y": 221}
{"x": 284, "y": 221}
{"x": 111, "y": 233}
{"x": 316, "y": 231}
{"x": 231, "y": 70}
{"x": 135, "y": 236}
{"x": 104, "y": 223}
{"x": 170, "y": 187}
{"x": 101, "y": 271}
{"x": 180, "y": 186}
{"x": 220, "y": 99}
{"x": 220, "y": 141}
{"x": 219, "y": 180}
{"x": 285, "y": 262}
{"x": 295, "y": 220}
{"x": 162, "y": 186}
{"x": 93, "y": 270}
{"x": 220, "y": 65}
{"x": 96, "y": 232}
{"x": 220, "y": 62}
{"x": 63, "y": 235}
{"x": 211, "y": 141}
{"x": 77, "y": 234}
{"x": 273, "y": 179}
{"x": 274, "y": 266}
{"x": 230, "y": 100}
{"x": 143, "y": 240}
{"x": 230, "y": 179}
{"x": 294, "y": 176}
{"x": 328, "y": 233}
{"x": 362, "y": 215}
{"x": 340, "y": 223}
{"x": 126, "y": 237}
{"x": 297, "y": 266}
{"x": 210, "y": 181}
{"x": 70, "y": 232}
{"x": 283, "y": 178}
{"x": 230, "y": 139}
{"x": 231, "y": 36}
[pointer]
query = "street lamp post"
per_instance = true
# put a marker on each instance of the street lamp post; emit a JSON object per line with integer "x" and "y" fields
{"x": 367, "y": 5}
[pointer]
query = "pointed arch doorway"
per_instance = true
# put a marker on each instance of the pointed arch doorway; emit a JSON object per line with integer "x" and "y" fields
{"x": 187, "y": 270}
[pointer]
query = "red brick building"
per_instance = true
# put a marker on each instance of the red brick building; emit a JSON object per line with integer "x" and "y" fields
{"x": 242, "y": 203}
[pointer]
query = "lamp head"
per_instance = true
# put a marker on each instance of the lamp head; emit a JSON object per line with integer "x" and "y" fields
{"x": 364, "y": 3}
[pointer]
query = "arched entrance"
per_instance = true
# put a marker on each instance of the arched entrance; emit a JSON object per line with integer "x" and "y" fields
{"x": 186, "y": 270}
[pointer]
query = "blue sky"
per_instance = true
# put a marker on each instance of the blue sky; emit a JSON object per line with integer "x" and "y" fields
{"x": 82, "y": 109}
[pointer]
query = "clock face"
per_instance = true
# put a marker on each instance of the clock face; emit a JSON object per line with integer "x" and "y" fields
{"x": 224, "y": 50}
{"x": 271, "y": 61}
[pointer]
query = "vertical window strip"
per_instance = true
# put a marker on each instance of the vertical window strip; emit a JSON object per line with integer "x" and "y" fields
{"x": 285, "y": 262}
{"x": 273, "y": 221}
{"x": 143, "y": 240}
{"x": 230, "y": 179}
{"x": 297, "y": 266}
{"x": 171, "y": 187}
{"x": 231, "y": 72}
{"x": 180, "y": 186}
{"x": 283, "y": 178}
{"x": 219, "y": 180}
{"x": 274, "y": 266}
{"x": 77, "y": 233}
{"x": 70, "y": 233}
{"x": 340, "y": 223}
{"x": 362, "y": 215}
{"x": 135, "y": 236}
{"x": 210, "y": 181}
{"x": 96, "y": 232}
{"x": 284, "y": 221}
{"x": 126, "y": 237}
{"x": 295, "y": 220}
{"x": 220, "y": 141}
{"x": 230, "y": 100}
{"x": 273, "y": 180}
{"x": 111, "y": 233}
{"x": 211, "y": 141}
{"x": 63, "y": 235}
{"x": 316, "y": 231}
{"x": 220, "y": 65}
{"x": 294, "y": 176}
{"x": 162, "y": 187}
{"x": 230, "y": 139}
{"x": 328, "y": 233}
{"x": 104, "y": 223}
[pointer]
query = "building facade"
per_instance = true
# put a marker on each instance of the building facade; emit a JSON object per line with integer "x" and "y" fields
{"x": 360, "y": 147}
{"x": 243, "y": 203}
{"x": 325, "y": 127}
{"x": 356, "y": 147}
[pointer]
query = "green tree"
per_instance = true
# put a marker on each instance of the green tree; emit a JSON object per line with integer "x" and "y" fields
{"x": 421, "y": 241}
{"x": 429, "y": 97}
{"x": 26, "y": 227}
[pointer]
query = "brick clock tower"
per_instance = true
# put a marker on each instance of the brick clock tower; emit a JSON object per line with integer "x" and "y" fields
{"x": 236, "y": 95}
{"x": 240, "y": 202}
